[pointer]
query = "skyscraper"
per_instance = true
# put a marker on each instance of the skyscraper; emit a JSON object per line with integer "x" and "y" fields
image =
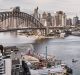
{"x": 36, "y": 14}
{"x": 60, "y": 19}
{"x": 49, "y": 19}
{"x": 75, "y": 20}
{"x": 44, "y": 15}
{"x": 43, "y": 19}
{"x": 53, "y": 21}
{"x": 69, "y": 22}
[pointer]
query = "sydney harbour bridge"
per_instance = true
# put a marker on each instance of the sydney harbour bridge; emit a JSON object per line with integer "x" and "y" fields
{"x": 16, "y": 20}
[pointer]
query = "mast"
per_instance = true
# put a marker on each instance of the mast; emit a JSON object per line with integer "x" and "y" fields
{"x": 46, "y": 53}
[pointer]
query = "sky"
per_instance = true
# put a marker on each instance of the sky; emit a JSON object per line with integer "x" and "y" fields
{"x": 69, "y": 6}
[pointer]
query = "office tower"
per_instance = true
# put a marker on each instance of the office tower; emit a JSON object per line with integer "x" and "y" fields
{"x": 69, "y": 22}
{"x": 75, "y": 20}
{"x": 60, "y": 19}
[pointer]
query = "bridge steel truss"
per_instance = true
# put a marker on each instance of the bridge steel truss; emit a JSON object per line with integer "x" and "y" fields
{"x": 10, "y": 21}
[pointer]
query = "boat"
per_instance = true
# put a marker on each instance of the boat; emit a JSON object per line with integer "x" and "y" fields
{"x": 74, "y": 61}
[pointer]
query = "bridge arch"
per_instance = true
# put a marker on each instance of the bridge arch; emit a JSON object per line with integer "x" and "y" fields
{"x": 17, "y": 20}
{"x": 21, "y": 18}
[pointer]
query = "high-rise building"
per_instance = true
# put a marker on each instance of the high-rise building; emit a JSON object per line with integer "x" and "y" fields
{"x": 43, "y": 19}
{"x": 44, "y": 15}
{"x": 69, "y": 21}
{"x": 60, "y": 19}
{"x": 36, "y": 14}
{"x": 53, "y": 21}
{"x": 49, "y": 19}
{"x": 79, "y": 22}
{"x": 75, "y": 20}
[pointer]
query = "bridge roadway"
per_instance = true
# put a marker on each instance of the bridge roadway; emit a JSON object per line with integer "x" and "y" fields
{"x": 34, "y": 28}
{"x": 15, "y": 29}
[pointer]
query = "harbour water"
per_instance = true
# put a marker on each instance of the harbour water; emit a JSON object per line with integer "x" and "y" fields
{"x": 64, "y": 49}
{"x": 12, "y": 39}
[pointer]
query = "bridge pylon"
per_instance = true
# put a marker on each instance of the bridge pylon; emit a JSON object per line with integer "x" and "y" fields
{"x": 46, "y": 31}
